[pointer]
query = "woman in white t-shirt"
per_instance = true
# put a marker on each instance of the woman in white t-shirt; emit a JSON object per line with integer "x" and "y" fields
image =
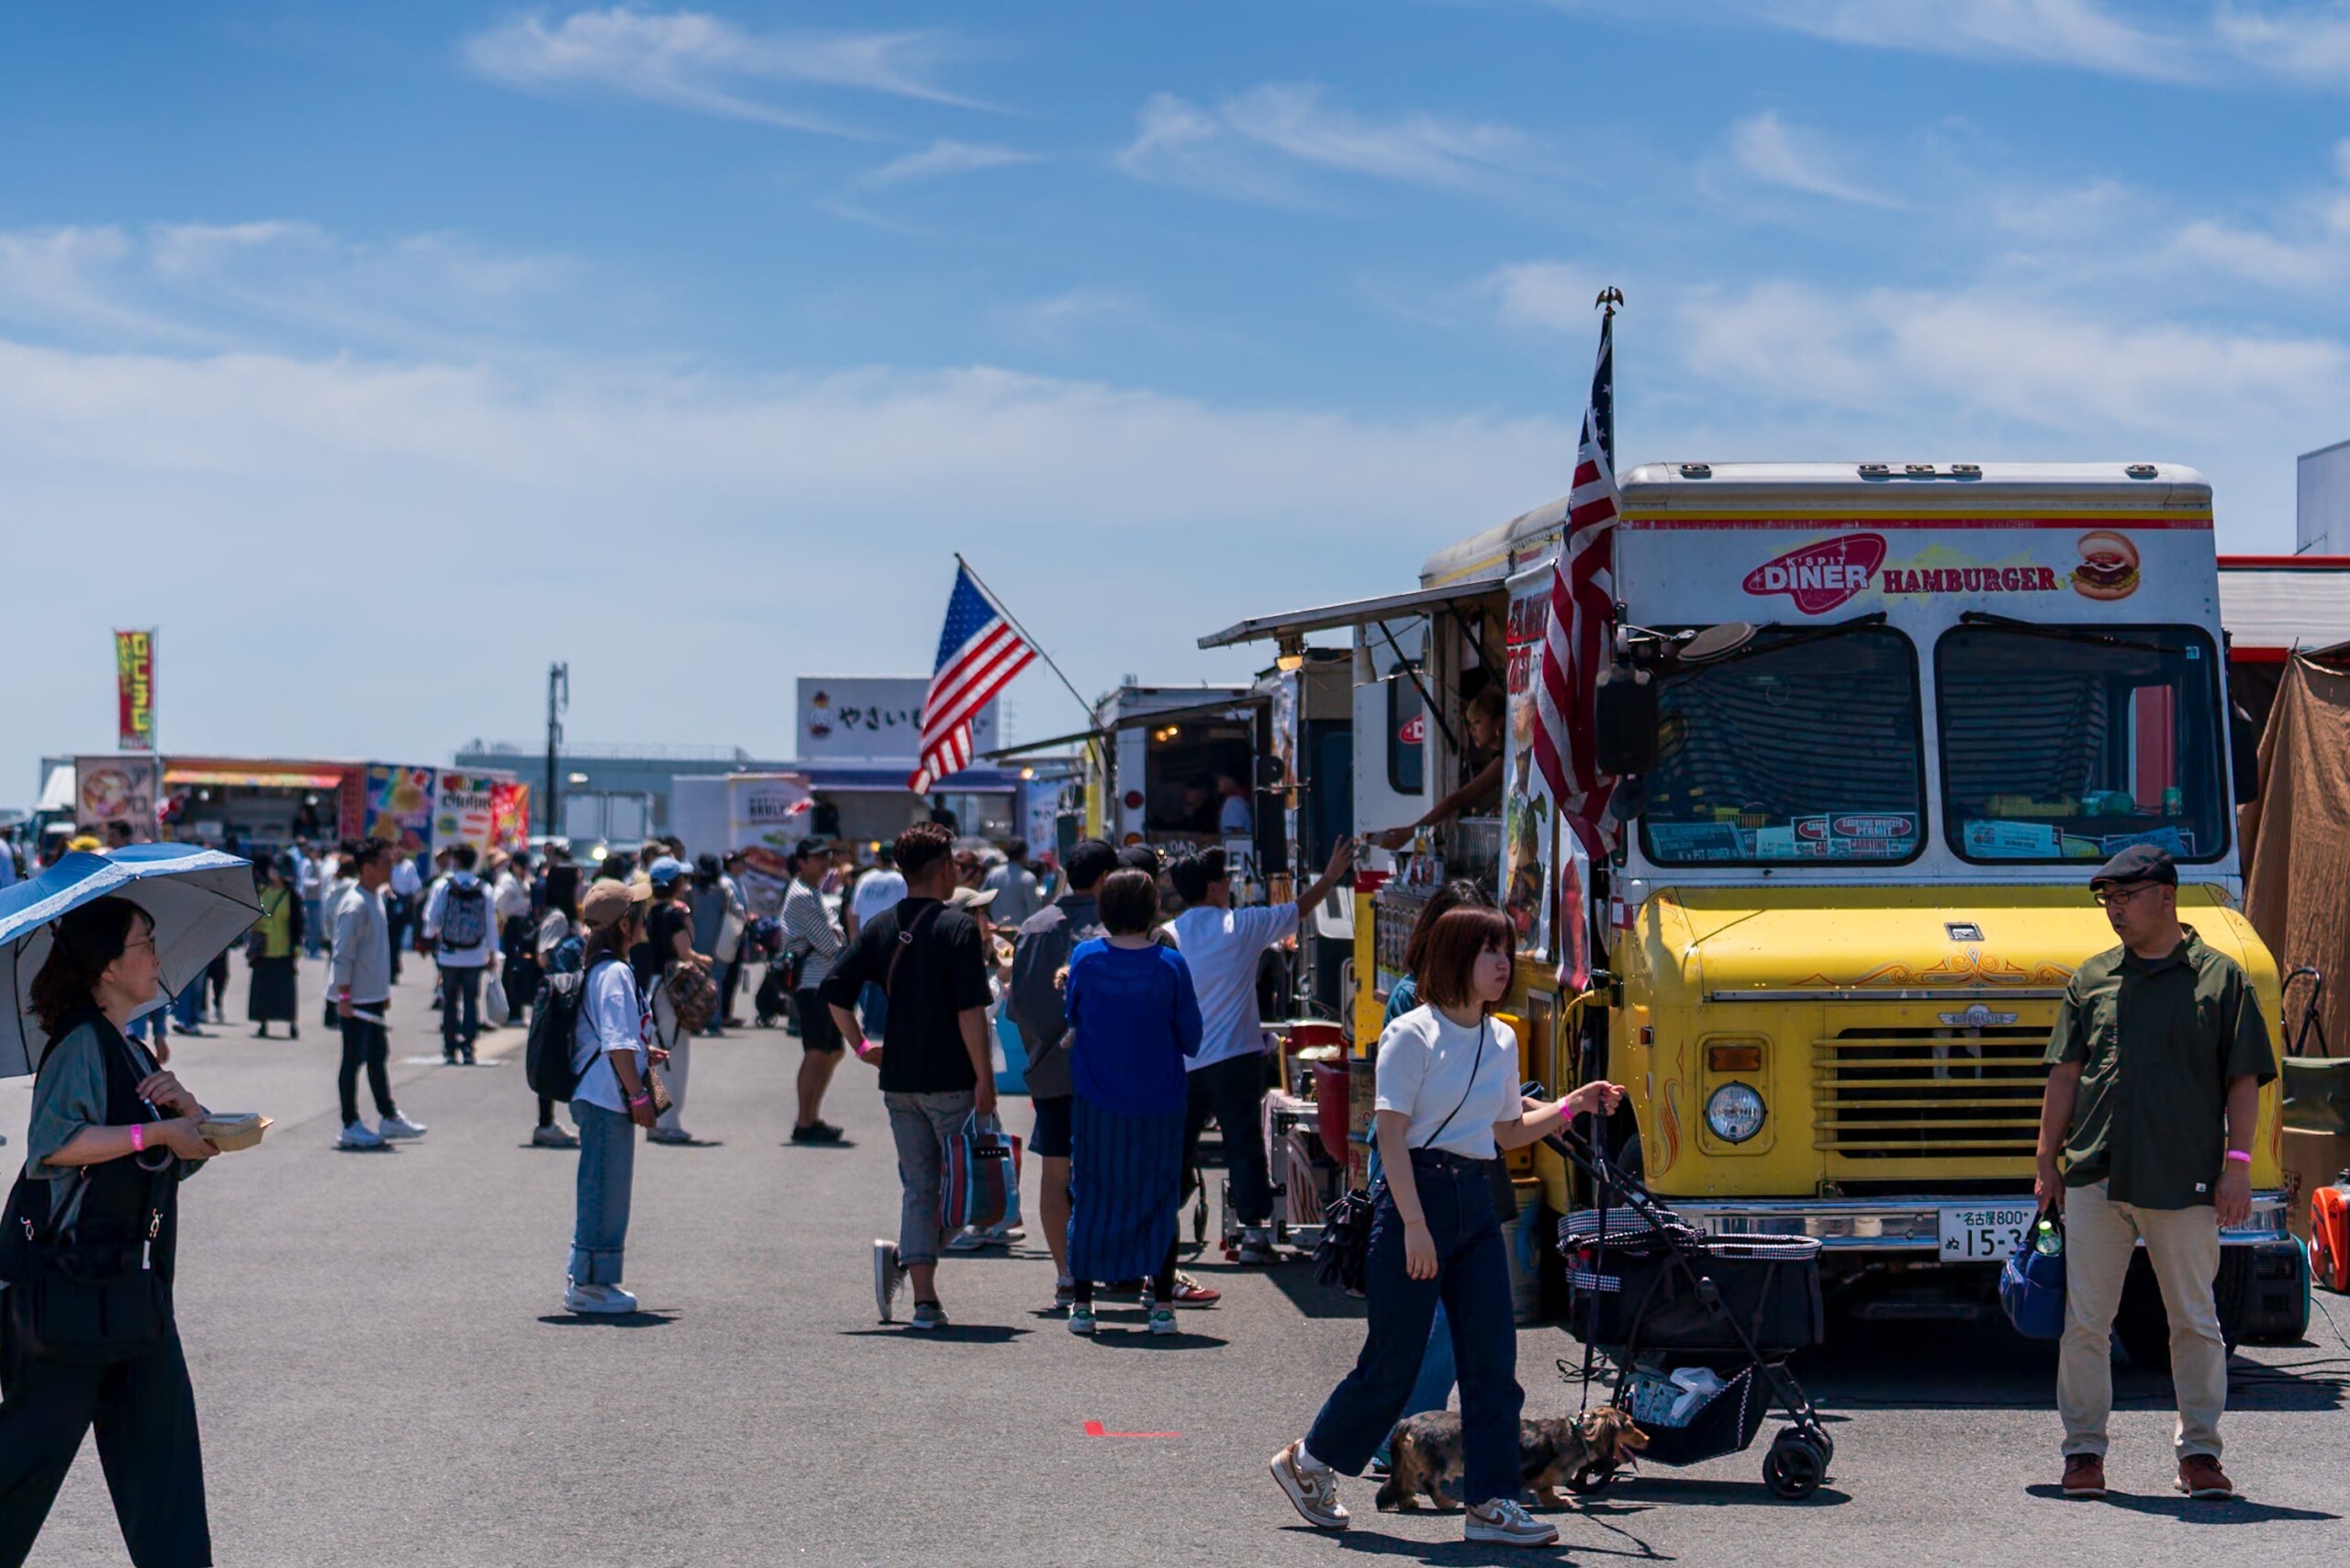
{"x": 612, "y": 1053}
{"x": 1446, "y": 1103}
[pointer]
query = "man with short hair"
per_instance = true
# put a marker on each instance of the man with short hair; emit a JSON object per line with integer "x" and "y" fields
{"x": 808, "y": 935}
{"x": 1039, "y": 955}
{"x": 936, "y": 1066}
{"x": 2155, "y": 1066}
{"x": 359, "y": 979}
{"x": 462, "y": 928}
{"x": 1015, "y": 888}
{"x": 1221, "y": 945}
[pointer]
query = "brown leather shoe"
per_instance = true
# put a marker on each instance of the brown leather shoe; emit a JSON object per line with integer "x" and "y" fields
{"x": 2199, "y": 1475}
{"x": 2084, "y": 1475}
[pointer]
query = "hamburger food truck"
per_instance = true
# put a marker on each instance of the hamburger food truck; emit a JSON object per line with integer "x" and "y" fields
{"x": 1873, "y": 725}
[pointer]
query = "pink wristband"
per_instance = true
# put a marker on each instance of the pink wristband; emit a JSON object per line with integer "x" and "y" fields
{"x": 138, "y": 1138}
{"x": 2240, "y": 1154}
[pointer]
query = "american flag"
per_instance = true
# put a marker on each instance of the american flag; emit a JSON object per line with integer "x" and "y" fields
{"x": 1583, "y": 607}
{"x": 979, "y": 653}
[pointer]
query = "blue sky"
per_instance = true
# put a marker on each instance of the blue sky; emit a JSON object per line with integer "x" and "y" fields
{"x": 381, "y": 354}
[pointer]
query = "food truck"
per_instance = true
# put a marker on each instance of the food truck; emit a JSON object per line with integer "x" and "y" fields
{"x": 1873, "y": 725}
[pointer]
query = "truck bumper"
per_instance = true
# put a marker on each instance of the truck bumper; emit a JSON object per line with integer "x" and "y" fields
{"x": 1899, "y": 1226}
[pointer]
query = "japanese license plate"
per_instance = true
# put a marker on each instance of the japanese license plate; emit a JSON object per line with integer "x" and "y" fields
{"x": 1985, "y": 1233}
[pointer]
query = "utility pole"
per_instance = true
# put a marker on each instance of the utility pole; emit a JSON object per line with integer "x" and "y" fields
{"x": 558, "y": 703}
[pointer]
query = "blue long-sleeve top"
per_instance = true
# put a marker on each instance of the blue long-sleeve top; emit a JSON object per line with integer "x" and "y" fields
{"x": 1133, "y": 1017}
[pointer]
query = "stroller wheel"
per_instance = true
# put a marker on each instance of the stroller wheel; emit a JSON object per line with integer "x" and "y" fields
{"x": 1591, "y": 1480}
{"x": 1796, "y": 1465}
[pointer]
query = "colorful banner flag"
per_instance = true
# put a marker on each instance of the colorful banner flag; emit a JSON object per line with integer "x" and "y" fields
{"x": 134, "y": 679}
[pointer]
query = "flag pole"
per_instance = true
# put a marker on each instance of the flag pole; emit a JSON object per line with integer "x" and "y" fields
{"x": 980, "y": 583}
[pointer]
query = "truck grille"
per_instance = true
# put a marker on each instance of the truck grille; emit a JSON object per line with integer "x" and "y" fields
{"x": 1941, "y": 1094}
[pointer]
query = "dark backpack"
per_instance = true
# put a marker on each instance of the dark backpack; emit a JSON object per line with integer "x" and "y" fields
{"x": 554, "y": 1031}
{"x": 465, "y": 918}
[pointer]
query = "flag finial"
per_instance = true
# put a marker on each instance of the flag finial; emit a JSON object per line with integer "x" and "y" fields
{"x": 1611, "y": 299}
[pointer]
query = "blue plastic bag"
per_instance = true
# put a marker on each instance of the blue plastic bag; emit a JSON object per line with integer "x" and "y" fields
{"x": 2031, "y": 1287}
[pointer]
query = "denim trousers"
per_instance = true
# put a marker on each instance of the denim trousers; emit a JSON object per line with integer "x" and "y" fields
{"x": 1473, "y": 1283}
{"x": 460, "y": 987}
{"x": 607, "y": 1172}
{"x": 920, "y": 1124}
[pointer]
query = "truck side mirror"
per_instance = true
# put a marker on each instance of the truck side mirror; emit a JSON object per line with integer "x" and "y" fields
{"x": 1624, "y": 720}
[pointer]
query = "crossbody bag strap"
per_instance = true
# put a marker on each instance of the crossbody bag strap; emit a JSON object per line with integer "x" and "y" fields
{"x": 904, "y": 944}
{"x": 1484, "y": 1027}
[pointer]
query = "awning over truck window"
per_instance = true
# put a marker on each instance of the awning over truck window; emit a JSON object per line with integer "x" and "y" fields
{"x": 1350, "y": 612}
{"x": 1222, "y": 708}
{"x": 252, "y": 778}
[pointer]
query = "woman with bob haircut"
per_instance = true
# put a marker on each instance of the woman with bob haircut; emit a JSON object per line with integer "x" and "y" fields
{"x": 1447, "y": 1102}
{"x": 112, "y": 1137}
{"x": 1133, "y": 1019}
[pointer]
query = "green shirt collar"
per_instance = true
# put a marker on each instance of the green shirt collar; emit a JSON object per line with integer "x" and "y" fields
{"x": 2179, "y": 954}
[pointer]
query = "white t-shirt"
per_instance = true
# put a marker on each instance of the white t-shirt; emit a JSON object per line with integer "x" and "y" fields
{"x": 1222, "y": 947}
{"x": 876, "y": 893}
{"x": 611, "y": 1016}
{"x": 1424, "y": 1063}
{"x": 405, "y": 882}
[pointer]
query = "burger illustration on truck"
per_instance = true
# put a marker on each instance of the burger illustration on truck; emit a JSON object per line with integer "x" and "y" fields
{"x": 2109, "y": 568}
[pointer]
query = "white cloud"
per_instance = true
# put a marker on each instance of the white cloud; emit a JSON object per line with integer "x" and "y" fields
{"x": 1549, "y": 294}
{"x": 2084, "y": 34}
{"x": 2303, "y": 42}
{"x": 1253, "y": 147}
{"x": 1767, "y": 148}
{"x": 944, "y": 157}
{"x": 693, "y": 61}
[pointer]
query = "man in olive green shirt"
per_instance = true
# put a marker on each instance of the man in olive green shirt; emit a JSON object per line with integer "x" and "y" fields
{"x": 2153, "y": 1093}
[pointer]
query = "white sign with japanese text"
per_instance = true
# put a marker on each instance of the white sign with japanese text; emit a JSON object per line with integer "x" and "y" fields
{"x": 871, "y": 718}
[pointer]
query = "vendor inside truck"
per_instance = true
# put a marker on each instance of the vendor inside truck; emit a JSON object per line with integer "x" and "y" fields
{"x": 1481, "y": 768}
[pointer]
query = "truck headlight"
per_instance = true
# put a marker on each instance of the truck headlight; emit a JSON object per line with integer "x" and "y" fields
{"x": 1734, "y": 1112}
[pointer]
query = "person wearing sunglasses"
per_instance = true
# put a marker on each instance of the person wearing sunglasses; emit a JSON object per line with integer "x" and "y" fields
{"x": 2155, "y": 1065}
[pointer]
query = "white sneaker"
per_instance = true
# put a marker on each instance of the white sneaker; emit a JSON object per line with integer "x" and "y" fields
{"x": 553, "y": 1137}
{"x": 601, "y": 1299}
{"x": 1081, "y": 1317}
{"x": 359, "y": 1134}
{"x": 888, "y": 1278}
{"x": 1505, "y": 1522}
{"x": 397, "y": 1126}
{"x": 1315, "y": 1492}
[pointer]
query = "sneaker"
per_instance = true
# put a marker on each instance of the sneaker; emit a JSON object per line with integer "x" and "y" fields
{"x": 1313, "y": 1492}
{"x": 888, "y": 1278}
{"x": 1162, "y": 1320}
{"x": 598, "y": 1299}
{"x": 970, "y": 1239}
{"x": 469, "y": 1055}
{"x": 1064, "y": 1295}
{"x": 815, "y": 1132}
{"x": 1257, "y": 1246}
{"x": 1188, "y": 1292}
{"x": 668, "y": 1134}
{"x": 2084, "y": 1475}
{"x": 1505, "y": 1522}
{"x": 2199, "y": 1475}
{"x": 359, "y": 1134}
{"x": 927, "y": 1315}
{"x": 553, "y": 1137}
{"x": 1080, "y": 1318}
{"x": 448, "y": 1058}
{"x": 397, "y": 1126}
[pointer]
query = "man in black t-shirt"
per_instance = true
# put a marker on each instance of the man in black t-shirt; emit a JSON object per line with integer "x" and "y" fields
{"x": 936, "y": 1069}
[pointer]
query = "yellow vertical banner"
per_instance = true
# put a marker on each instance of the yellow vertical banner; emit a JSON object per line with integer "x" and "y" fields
{"x": 134, "y": 670}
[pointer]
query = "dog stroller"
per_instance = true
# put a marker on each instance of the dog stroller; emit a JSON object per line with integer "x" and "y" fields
{"x": 1695, "y": 1329}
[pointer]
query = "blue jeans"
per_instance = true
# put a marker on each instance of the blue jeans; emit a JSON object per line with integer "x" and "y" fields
{"x": 460, "y": 987}
{"x": 1434, "y": 1389}
{"x": 187, "y": 1007}
{"x": 311, "y": 935}
{"x": 1472, "y": 1284}
{"x": 607, "y": 1175}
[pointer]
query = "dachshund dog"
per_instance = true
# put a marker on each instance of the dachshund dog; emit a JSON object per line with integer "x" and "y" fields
{"x": 1427, "y": 1459}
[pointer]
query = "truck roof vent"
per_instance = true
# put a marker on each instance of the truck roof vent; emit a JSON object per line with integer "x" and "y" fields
{"x": 1696, "y": 470}
{"x": 2141, "y": 470}
{"x": 1966, "y": 470}
{"x": 1875, "y": 470}
{"x": 1919, "y": 470}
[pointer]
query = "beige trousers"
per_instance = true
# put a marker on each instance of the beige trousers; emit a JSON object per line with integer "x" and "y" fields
{"x": 2184, "y": 1246}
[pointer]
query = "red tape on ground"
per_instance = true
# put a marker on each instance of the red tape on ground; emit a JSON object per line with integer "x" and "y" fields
{"x": 1095, "y": 1430}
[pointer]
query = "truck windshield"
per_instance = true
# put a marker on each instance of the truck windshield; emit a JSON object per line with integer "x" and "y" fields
{"x": 1798, "y": 754}
{"x": 2070, "y": 748}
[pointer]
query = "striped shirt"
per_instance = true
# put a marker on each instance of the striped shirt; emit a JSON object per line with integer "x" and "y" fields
{"x": 807, "y": 928}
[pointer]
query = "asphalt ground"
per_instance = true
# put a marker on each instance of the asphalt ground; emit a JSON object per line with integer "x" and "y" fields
{"x": 386, "y": 1375}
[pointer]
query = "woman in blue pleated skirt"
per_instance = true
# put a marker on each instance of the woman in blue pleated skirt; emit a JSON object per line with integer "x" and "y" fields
{"x": 1131, "y": 1020}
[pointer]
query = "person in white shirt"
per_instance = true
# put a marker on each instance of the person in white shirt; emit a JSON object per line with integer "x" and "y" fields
{"x": 612, "y": 1052}
{"x": 401, "y": 906}
{"x": 876, "y": 892}
{"x": 1447, "y": 1105}
{"x": 310, "y": 879}
{"x": 462, "y": 928}
{"x": 1223, "y": 945}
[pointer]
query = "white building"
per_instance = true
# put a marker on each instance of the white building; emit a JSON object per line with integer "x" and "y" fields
{"x": 2322, "y": 501}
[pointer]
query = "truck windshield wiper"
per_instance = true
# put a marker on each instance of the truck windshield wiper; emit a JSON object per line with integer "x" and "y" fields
{"x": 2057, "y": 633}
{"x": 1800, "y": 635}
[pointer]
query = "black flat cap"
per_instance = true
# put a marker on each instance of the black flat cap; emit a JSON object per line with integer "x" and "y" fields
{"x": 2139, "y": 863}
